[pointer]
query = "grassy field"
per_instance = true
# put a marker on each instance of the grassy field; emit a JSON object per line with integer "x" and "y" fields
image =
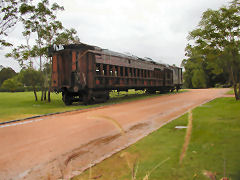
{"x": 21, "y": 104}
{"x": 213, "y": 149}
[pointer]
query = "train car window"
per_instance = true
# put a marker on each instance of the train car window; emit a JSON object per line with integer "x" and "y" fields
{"x": 104, "y": 69}
{"x": 126, "y": 71}
{"x": 111, "y": 70}
{"x": 116, "y": 70}
{"x": 121, "y": 71}
{"x": 98, "y": 72}
{"x": 168, "y": 75}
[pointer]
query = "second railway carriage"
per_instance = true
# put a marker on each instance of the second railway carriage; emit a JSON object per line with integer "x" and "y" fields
{"x": 87, "y": 73}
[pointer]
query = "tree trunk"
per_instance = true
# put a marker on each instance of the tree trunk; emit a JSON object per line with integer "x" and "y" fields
{"x": 50, "y": 82}
{"x": 42, "y": 95}
{"x": 49, "y": 94}
{"x": 234, "y": 84}
{"x": 35, "y": 94}
{"x": 239, "y": 87}
{"x": 235, "y": 91}
{"x": 45, "y": 94}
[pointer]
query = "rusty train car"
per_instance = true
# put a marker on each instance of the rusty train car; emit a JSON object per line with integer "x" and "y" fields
{"x": 87, "y": 73}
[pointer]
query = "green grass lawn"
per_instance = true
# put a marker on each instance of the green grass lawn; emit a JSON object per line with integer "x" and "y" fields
{"x": 21, "y": 104}
{"x": 215, "y": 142}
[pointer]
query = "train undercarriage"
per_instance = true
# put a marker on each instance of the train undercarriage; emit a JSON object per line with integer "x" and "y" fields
{"x": 93, "y": 96}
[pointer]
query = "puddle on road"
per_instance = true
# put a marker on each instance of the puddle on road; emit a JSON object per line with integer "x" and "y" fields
{"x": 138, "y": 126}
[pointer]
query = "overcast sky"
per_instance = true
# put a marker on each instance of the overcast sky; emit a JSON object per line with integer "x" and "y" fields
{"x": 146, "y": 28}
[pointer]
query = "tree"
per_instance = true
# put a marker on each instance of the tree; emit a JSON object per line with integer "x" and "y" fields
{"x": 8, "y": 16}
{"x": 31, "y": 77}
{"x": 40, "y": 19}
{"x": 12, "y": 84}
{"x": 216, "y": 41}
{"x": 6, "y": 73}
{"x": 40, "y": 22}
{"x": 199, "y": 79}
{"x": 68, "y": 36}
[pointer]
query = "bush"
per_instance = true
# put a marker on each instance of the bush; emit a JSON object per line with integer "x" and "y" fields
{"x": 12, "y": 85}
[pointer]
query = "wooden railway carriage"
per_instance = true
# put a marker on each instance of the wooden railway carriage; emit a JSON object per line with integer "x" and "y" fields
{"x": 87, "y": 73}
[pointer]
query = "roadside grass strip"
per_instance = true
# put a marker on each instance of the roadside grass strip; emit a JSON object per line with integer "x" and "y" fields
{"x": 210, "y": 150}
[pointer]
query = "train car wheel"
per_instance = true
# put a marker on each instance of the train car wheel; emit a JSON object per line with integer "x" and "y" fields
{"x": 151, "y": 91}
{"x": 67, "y": 99}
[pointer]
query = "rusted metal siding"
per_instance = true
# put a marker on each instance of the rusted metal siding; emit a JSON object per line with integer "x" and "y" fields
{"x": 168, "y": 79}
{"x": 66, "y": 68}
{"x": 60, "y": 67}
{"x": 87, "y": 67}
{"x": 126, "y": 62}
{"x": 82, "y": 66}
{"x": 118, "y": 76}
{"x": 91, "y": 70}
{"x": 54, "y": 72}
{"x": 74, "y": 67}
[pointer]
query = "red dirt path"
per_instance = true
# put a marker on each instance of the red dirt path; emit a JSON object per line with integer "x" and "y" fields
{"x": 68, "y": 143}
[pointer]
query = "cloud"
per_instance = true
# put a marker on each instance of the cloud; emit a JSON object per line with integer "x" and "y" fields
{"x": 152, "y": 28}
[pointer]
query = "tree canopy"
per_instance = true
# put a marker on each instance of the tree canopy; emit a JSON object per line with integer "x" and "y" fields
{"x": 8, "y": 18}
{"x": 213, "y": 53}
{"x": 6, "y": 73}
{"x": 41, "y": 29}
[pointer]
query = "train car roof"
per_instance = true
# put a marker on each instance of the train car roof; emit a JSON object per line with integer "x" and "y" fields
{"x": 59, "y": 48}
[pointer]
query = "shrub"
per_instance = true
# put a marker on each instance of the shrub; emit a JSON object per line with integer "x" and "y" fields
{"x": 12, "y": 85}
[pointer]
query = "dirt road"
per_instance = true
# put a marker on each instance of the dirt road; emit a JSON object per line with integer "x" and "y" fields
{"x": 66, "y": 144}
